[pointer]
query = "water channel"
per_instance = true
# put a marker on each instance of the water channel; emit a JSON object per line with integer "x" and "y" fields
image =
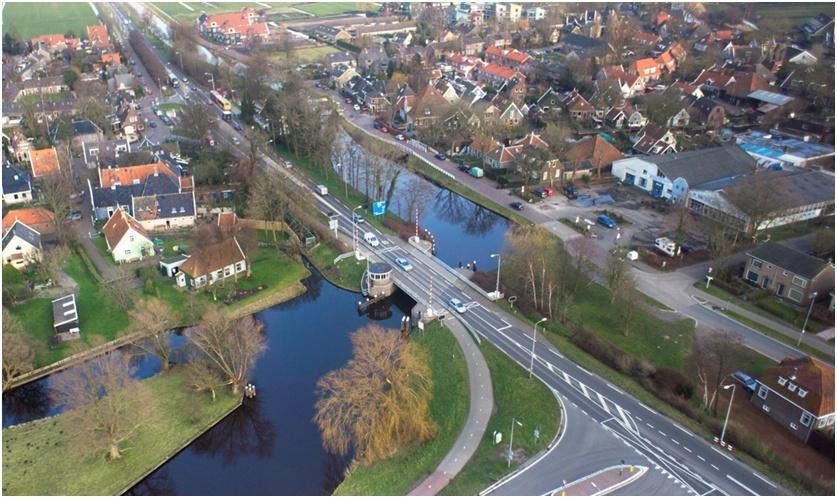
{"x": 270, "y": 445}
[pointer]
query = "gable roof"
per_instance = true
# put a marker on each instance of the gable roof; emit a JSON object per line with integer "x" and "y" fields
{"x": 808, "y": 373}
{"x": 213, "y": 257}
{"x": 788, "y": 258}
{"x": 162, "y": 206}
{"x": 700, "y": 166}
{"x": 30, "y": 216}
{"x": 132, "y": 175}
{"x": 118, "y": 225}
{"x": 98, "y": 35}
{"x": 595, "y": 149}
{"x": 15, "y": 180}
{"x": 44, "y": 162}
{"x": 25, "y": 232}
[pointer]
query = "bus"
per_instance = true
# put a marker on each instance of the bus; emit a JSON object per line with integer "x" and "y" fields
{"x": 219, "y": 99}
{"x": 173, "y": 80}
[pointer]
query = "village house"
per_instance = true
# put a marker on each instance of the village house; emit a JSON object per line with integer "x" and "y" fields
{"x": 654, "y": 140}
{"x": 578, "y": 107}
{"x": 591, "y": 156}
{"x": 233, "y": 27}
{"x": 21, "y": 245}
{"x": 126, "y": 239}
{"x": 629, "y": 84}
{"x": 799, "y": 394}
{"x": 17, "y": 185}
{"x": 789, "y": 273}
{"x": 38, "y": 218}
{"x": 511, "y": 58}
{"x": 213, "y": 264}
{"x": 496, "y": 75}
{"x": 647, "y": 68}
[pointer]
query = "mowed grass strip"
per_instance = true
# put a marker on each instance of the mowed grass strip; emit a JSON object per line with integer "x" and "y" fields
{"x": 38, "y": 461}
{"x": 400, "y": 474}
{"x": 328, "y": 8}
{"x": 27, "y": 20}
{"x": 518, "y": 396}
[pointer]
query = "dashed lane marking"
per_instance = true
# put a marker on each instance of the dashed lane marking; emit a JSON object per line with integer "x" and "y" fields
{"x": 701, "y": 458}
{"x": 743, "y": 486}
{"x": 716, "y": 450}
{"x": 763, "y": 479}
{"x": 675, "y": 441}
{"x": 663, "y": 433}
{"x": 714, "y": 466}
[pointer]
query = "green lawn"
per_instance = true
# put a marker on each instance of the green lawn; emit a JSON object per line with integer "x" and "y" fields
{"x": 47, "y": 18}
{"x": 518, "y": 396}
{"x": 777, "y": 335}
{"x": 328, "y": 8}
{"x": 181, "y": 13}
{"x": 303, "y": 56}
{"x": 102, "y": 246}
{"x": 28, "y": 100}
{"x": 98, "y": 315}
{"x": 37, "y": 460}
{"x": 449, "y": 407}
{"x": 346, "y": 273}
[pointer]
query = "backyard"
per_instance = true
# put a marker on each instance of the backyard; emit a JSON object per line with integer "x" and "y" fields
{"x": 51, "y": 18}
{"x": 303, "y": 56}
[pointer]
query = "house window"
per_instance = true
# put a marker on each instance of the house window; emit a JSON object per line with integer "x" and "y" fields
{"x": 131, "y": 238}
{"x": 782, "y": 381}
{"x": 800, "y": 282}
{"x": 127, "y": 252}
{"x": 805, "y": 419}
{"x": 791, "y": 387}
{"x": 802, "y": 392}
{"x": 762, "y": 392}
{"x": 227, "y": 271}
{"x": 794, "y": 295}
{"x": 753, "y": 276}
{"x": 756, "y": 263}
{"x": 238, "y": 267}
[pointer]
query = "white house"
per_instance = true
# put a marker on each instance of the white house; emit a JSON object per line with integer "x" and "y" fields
{"x": 127, "y": 240}
{"x": 671, "y": 176}
{"x": 212, "y": 264}
{"x": 21, "y": 245}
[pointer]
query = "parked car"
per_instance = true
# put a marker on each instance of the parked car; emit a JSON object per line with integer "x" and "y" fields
{"x": 152, "y": 124}
{"x": 517, "y": 205}
{"x": 235, "y": 141}
{"x": 376, "y": 125}
{"x": 440, "y": 156}
{"x": 457, "y": 305}
{"x": 749, "y": 382}
{"x": 463, "y": 167}
{"x": 148, "y": 91}
{"x": 237, "y": 126}
{"x": 348, "y": 101}
{"x": 384, "y": 129}
{"x": 571, "y": 192}
{"x": 74, "y": 215}
{"x": 476, "y": 172}
{"x": 549, "y": 191}
{"x": 370, "y": 238}
{"x": 539, "y": 192}
{"x": 400, "y": 137}
{"x": 605, "y": 221}
{"x": 404, "y": 264}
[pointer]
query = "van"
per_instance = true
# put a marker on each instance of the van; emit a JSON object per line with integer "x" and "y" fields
{"x": 321, "y": 189}
{"x": 605, "y": 221}
{"x": 667, "y": 246}
{"x": 370, "y": 238}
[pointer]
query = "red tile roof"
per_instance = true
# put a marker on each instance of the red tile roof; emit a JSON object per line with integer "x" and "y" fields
{"x": 98, "y": 35}
{"x": 117, "y": 226}
{"x": 130, "y": 175}
{"x": 498, "y": 70}
{"x": 49, "y": 40}
{"x": 597, "y": 150}
{"x": 111, "y": 58}
{"x": 641, "y": 65}
{"x": 242, "y": 22}
{"x": 44, "y": 162}
{"x": 809, "y": 374}
{"x": 38, "y": 218}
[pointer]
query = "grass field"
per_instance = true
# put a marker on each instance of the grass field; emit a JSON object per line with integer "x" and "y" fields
{"x": 181, "y": 12}
{"x": 330, "y": 8}
{"x": 38, "y": 461}
{"x": 27, "y": 20}
{"x": 303, "y": 56}
{"x": 518, "y": 396}
{"x": 399, "y": 474}
{"x": 345, "y": 274}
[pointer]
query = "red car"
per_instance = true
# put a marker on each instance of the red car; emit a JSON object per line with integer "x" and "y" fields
{"x": 549, "y": 191}
{"x": 384, "y": 129}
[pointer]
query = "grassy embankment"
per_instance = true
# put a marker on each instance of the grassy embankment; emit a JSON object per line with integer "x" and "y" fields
{"x": 518, "y": 396}
{"x": 448, "y": 409}
{"x": 346, "y": 274}
{"x": 37, "y": 460}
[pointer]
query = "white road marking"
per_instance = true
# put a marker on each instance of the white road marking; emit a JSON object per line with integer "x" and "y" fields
{"x": 682, "y": 429}
{"x": 556, "y": 353}
{"x": 584, "y": 390}
{"x": 743, "y": 486}
{"x": 663, "y": 433}
{"x": 714, "y": 466}
{"x": 675, "y": 441}
{"x": 584, "y": 370}
{"x": 643, "y": 405}
{"x": 701, "y": 458}
{"x": 649, "y": 425}
{"x": 765, "y": 480}
{"x": 566, "y": 377}
{"x": 614, "y": 387}
{"x": 638, "y": 417}
{"x": 723, "y": 455}
{"x": 603, "y": 402}
{"x": 687, "y": 449}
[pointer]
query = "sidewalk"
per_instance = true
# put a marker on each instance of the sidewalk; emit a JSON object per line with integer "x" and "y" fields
{"x": 602, "y": 482}
{"x": 809, "y": 338}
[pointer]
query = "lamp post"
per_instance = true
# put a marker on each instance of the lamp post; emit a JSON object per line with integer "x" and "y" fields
{"x": 729, "y": 409}
{"x": 354, "y": 230}
{"x": 534, "y": 338}
{"x": 499, "y": 262}
{"x": 511, "y": 437}
{"x": 807, "y": 316}
{"x": 709, "y": 277}
{"x": 211, "y": 80}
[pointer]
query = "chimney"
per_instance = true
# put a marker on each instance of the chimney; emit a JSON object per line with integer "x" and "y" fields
{"x": 793, "y": 375}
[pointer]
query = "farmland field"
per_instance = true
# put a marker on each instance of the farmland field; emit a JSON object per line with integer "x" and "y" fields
{"x": 181, "y": 12}
{"x": 330, "y": 8}
{"x": 52, "y": 17}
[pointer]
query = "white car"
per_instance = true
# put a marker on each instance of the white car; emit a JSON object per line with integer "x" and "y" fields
{"x": 400, "y": 137}
{"x": 457, "y": 305}
{"x": 370, "y": 238}
{"x": 235, "y": 140}
{"x": 356, "y": 107}
{"x": 404, "y": 264}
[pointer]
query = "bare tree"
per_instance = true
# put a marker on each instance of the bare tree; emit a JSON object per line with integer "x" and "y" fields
{"x": 379, "y": 401}
{"x": 206, "y": 234}
{"x": 627, "y": 302}
{"x": 119, "y": 288}
{"x": 154, "y": 318}
{"x": 195, "y": 122}
{"x": 416, "y": 195}
{"x": 714, "y": 357}
{"x": 757, "y": 199}
{"x": 55, "y": 192}
{"x": 269, "y": 201}
{"x": 615, "y": 273}
{"x": 18, "y": 355}
{"x": 231, "y": 346}
{"x": 53, "y": 261}
{"x": 203, "y": 376}
{"x": 106, "y": 406}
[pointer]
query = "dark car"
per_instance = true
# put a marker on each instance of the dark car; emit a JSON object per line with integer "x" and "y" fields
{"x": 152, "y": 124}
{"x": 539, "y": 192}
{"x": 749, "y": 382}
{"x": 571, "y": 192}
{"x": 517, "y": 205}
{"x": 605, "y": 221}
{"x": 74, "y": 215}
{"x": 463, "y": 167}
{"x": 236, "y": 126}
{"x": 440, "y": 156}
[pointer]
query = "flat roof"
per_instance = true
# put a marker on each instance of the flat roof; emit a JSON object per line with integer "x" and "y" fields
{"x": 64, "y": 310}
{"x": 770, "y": 97}
{"x": 776, "y": 146}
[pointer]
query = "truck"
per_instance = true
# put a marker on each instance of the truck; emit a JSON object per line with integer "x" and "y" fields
{"x": 667, "y": 246}
{"x": 172, "y": 79}
{"x": 321, "y": 189}
{"x": 476, "y": 172}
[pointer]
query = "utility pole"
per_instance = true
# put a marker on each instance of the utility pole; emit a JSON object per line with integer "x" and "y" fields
{"x": 499, "y": 263}
{"x": 729, "y": 408}
{"x": 534, "y": 339}
{"x": 511, "y": 438}
{"x": 807, "y": 316}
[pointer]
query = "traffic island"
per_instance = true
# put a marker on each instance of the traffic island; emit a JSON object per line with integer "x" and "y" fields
{"x": 601, "y": 483}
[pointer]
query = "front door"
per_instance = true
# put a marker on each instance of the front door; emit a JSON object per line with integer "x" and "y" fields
{"x": 657, "y": 189}
{"x": 781, "y": 290}
{"x": 629, "y": 179}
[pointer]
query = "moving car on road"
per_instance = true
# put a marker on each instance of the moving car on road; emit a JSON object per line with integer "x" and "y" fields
{"x": 321, "y": 189}
{"x": 517, "y": 205}
{"x": 404, "y": 264}
{"x": 440, "y": 156}
{"x": 358, "y": 218}
{"x": 370, "y": 238}
{"x": 457, "y": 305}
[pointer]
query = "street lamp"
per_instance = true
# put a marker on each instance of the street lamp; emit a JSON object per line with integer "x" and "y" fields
{"x": 709, "y": 276}
{"x": 534, "y": 338}
{"x": 211, "y": 80}
{"x": 499, "y": 262}
{"x": 813, "y": 296}
{"x": 511, "y": 437}
{"x": 729, "y": 408}
{"x": 354, "y": 229}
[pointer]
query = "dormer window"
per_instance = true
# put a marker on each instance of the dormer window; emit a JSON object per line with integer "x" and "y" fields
{"x": 791, "y": 387}
{"x": 802, "y": 392}
{"x": 782, "y": 381}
